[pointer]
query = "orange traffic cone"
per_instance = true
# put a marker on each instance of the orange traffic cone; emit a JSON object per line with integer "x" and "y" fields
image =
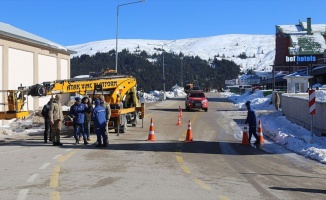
{"x": 189, "y": 133}
{"x": 260, "y": 132}
{"x": 179, "y": 121}
{"x": 245, "y": 139}
{"x": 151, "y": 136}
{"x": 180, "y": 113}
{"x": 179, "y": 108}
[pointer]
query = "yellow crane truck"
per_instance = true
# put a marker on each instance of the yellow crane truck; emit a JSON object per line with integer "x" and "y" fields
{"x": 119, "y": 91}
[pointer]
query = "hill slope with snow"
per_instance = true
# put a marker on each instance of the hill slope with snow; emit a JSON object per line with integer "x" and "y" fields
{"x": 261, "y": 47}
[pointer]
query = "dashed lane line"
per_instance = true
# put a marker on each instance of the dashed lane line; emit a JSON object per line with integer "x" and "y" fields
{"x": 179, "y": 159}
{"x": 185, "y": 169}
{"x": 32, "y": 178}
{"x": 55, "y": 195}
{"x": 202, "y": 184}
{"x": 22, "y": 194}
{"x": 57, "y": 156}
{"x": 65, "y": 157}
{"x": 54, "y": 179}
{"x": 221, "y": 197}
{"x": 45, "y": 165}
{"x": 68, "y": 149}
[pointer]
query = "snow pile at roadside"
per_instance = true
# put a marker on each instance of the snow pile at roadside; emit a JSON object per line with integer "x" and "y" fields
{"x": 282, "y": 131}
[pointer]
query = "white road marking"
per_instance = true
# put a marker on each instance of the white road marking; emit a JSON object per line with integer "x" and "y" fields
{"x": 32, "y": 178}
{"x": 23, "y": 149}
{"x": 68, "y": 150}
{"x": 57, "y": 156}
{"x": 22, "y": 194}
{"x": 45, "y": 165}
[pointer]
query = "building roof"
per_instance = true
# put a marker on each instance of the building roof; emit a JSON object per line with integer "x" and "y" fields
{"x": 308, "y": 44}
{"x": 320, "y": 70}
{"x": 302, "y": 42}
{"x": 13, "y": 32}
{"x": 298, "y": 74}
{"x": 301, "y": 29}
{"x": 253, "y": 77}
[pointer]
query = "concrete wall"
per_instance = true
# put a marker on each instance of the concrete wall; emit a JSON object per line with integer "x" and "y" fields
{"x": 28, "y": 64}
{"x": 296, "y": 109}
{"x": 20, "y": 71}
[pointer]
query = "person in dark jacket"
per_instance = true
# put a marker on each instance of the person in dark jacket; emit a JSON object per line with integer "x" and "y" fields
{"x": 88, "y": 116}
{"x": 77, "y": 113}
{"x": 107, "y": 108}
{"x": 47, "y": 123}
{"x": 99, "y": 117}
{"x": 252, "y": 122}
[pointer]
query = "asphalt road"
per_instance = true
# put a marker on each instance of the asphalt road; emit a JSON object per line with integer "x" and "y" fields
{"x": 214, "y": 166}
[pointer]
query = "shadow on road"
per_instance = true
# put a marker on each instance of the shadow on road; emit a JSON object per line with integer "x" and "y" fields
{"x": 216, "y": 99}
{"x": 283, "y": 175}
{"x": 198, "y": 147}
{"x": 166, "y": 109}
{"x": 306, "y": 190}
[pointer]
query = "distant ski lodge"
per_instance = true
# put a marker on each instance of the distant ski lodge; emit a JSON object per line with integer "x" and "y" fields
{"x": 299, "y": 47}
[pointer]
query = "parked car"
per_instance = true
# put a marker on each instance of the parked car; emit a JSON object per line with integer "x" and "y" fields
{"x": 196, "y": 100}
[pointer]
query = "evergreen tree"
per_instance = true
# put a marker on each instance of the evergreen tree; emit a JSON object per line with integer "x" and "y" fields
{"x": 149, "y": 74}
{"x": 242, "y": 55}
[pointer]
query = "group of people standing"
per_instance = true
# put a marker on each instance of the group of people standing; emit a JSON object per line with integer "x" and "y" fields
{"x": 82, "y": 113}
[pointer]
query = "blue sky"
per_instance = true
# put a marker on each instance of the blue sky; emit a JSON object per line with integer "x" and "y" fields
{"x": 71, "y": 22}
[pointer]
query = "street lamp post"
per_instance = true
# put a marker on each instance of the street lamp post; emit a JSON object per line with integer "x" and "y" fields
{"x": 162, "y": 49}
{"x": 273, "y": 76}
{"x": 117, "y": 29}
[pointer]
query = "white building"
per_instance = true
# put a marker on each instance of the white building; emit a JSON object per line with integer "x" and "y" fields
{"x": 28, "y": 59}
{"x": 297, "y": 82}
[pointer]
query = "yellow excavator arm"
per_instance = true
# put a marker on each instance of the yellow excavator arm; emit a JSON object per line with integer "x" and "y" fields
{"x": 115, "y": 88}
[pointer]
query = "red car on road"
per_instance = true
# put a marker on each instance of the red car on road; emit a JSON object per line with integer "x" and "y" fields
{"x": 196, "y": 100}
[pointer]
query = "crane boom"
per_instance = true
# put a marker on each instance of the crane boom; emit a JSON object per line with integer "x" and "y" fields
{"x": 118, "y": 90}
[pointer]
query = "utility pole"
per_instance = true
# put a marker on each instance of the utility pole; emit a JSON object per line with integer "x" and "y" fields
{"x": 162, "y": 49}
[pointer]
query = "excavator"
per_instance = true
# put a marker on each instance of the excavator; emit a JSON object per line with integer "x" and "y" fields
{"x": 119, "y": 91}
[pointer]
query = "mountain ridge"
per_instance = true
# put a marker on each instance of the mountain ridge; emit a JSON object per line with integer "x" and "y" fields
{"x": 259, "y": 49}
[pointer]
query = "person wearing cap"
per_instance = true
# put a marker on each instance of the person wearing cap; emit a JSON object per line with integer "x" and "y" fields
{"x": 47, "y": 123}
{"x": 88, "y": 116}
{"x": 107, "y": 108}
{"x": 56, "y": 118}
{"x": 252, "y": 122}
{"x": 76, "y": 112}
{"x": 99, "y": 117}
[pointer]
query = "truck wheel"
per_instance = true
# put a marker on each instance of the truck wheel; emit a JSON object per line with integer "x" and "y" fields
{"x": 187, "y": 108}
{"x": 205, "y": 109}
{"x": 136, "y": 119}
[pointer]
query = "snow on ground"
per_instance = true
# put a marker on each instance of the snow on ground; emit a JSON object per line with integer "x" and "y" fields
{"x": 276, "y": 128}
{"x": 280, "y": 130}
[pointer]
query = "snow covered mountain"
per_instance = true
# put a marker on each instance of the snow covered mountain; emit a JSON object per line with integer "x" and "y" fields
{"x": 260, "y": 49}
